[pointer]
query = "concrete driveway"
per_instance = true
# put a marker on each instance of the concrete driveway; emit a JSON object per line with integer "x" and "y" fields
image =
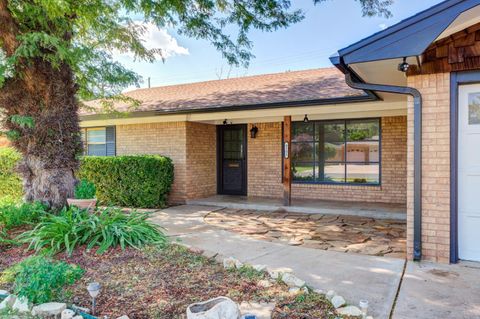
{"x": 427, "y": 290}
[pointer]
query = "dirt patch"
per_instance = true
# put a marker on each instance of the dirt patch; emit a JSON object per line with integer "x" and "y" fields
{"x": 160, "y": 283}
{"x": 361, "y": 235}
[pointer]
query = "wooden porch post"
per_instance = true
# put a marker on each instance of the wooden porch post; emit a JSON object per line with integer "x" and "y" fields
{"x": 287, "y": 164}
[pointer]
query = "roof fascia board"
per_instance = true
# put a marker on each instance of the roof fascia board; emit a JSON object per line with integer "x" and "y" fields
{"x": 420, "y": 31}
{"x": 399, "y": 26}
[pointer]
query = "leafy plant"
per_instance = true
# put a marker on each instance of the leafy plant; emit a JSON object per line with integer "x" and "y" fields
{"x": 85, "y": 189}
{"x": 41, "y": 279}
{"x": 14, "y": 215}
{"x": 106, "y": 228}
{"x": 10, "y": 182}
{"x": 129, "y": 181}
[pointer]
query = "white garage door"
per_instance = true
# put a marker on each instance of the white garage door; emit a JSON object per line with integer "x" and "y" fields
{"x": 469, "y": 172}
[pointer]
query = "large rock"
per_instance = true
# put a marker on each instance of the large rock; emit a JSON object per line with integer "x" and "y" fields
{"x": 49, "y": 309}
{"x": 292, "y": 281}
{"x": 350, "y": 311}
{"x": 21, "y": 305}
{"x": 330, "y": 294}
{"x": 216, "y": 308}
{"x": 4, "y": 292}
{"x": 338, "y": 301}
{"x": 8, "y": 302}
{"x": 260, "y": 267}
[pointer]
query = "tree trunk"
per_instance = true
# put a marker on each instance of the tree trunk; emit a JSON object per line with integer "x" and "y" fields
{"x": 45, "y": 93}
{"x": 51, "y": 147}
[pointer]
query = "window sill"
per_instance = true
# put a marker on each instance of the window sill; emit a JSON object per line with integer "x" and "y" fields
{"x": 337, "y": 184}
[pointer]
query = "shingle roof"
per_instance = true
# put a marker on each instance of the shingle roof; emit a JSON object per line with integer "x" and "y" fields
{"x": 293, "y": 86}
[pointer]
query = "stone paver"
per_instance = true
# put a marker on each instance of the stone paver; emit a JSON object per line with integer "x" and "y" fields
{"x": 355, "y": 234}
{"x": 353, "y": 276}
{"x": 434, "y": 291}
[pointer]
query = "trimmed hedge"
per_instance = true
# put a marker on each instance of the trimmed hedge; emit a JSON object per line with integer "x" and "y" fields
{"x": 10, "y": 182}
{"x": 129, "y": 181}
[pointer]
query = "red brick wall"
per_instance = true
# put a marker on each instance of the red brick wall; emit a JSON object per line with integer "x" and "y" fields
{"x": 265, "y": 175}
{"x": 435, "y": 90}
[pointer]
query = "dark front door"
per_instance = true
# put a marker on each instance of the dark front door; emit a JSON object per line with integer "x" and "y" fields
{"x": 232, "y": 177}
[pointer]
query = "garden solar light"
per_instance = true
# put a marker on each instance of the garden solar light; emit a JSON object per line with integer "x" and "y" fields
{"x": 363, "y": 304}
{"x": 94, "y": 290}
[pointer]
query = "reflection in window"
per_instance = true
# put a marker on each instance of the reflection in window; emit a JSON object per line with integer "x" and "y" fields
{"x": 340, "y": 151}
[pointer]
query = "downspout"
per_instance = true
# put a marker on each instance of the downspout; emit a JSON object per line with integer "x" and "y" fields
{"x": 417, "y": 149}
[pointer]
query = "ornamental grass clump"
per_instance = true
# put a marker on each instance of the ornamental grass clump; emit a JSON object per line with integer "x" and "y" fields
{"x": 15, "y": 215}
{"x": 102, "y": 229}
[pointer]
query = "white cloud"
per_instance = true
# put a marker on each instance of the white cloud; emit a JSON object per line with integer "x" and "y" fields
{"x": 155, "y": 38}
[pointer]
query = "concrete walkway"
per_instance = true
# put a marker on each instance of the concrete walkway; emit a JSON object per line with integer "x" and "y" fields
{"x": 353, "y": 276}
{"x": 428, "y": 290}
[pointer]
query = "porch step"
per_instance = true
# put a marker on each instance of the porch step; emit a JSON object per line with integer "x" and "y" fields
{"x": 377, "y": 212}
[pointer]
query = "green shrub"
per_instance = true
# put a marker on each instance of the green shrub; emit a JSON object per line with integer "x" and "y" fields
{"x": 10, "y": 183}
{"x": 129, "y": 181}
{"x": 104, "y": 229}
{"x": 41, "y": 279}
{"x": 14, "y": 215}
{"x": 85, "y": 190}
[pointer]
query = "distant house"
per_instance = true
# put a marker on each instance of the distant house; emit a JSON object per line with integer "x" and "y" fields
{"x": 397, "y": 121}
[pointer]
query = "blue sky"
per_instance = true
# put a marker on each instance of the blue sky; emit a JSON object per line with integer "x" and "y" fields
{"x": 327, "y": 27}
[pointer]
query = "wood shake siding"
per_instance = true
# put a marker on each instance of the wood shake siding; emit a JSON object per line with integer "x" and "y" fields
{"x": 435, "y": 90}
{"x": 265, "y": 162}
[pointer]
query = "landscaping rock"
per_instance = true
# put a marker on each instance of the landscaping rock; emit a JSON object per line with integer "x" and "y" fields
{"x": 77, "y": 317}
{"x": 21, "y": 305}
{"x": 216, "y": 308}
{"x": 292, "y": 281}
{"x": 49, "y": 309}
{"x": 123, "y": 317}
{"x": 338, "y": 301}
{"x": 319, "y": 291}
{"x": 330, "y": 294}
{"x": 350, "y": 311}
{"x": 260, "y": 267}
{"x": 230, "y": 263}
{"x": 8, "y": 302}
{"x": 264, "y": 283}
{"x": 260, "y": 310}
{"x": 294, "y": 290}
{"x": 67, "y": 314}
{"x": 4, "y": 292}
{"x": 238, "y": 264}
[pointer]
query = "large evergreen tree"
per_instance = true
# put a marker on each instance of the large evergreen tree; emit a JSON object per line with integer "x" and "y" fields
{"x": 54, "y": 52}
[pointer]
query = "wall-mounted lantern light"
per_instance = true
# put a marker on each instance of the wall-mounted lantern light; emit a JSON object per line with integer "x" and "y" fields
{"x": 253, "y": 131}
{"x": 225, "y": 122}
{"x": 404, "y": 66}
{"x": 305, "y": 119}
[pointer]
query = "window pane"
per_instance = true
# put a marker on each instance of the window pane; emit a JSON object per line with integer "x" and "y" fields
{"x": 330, "y": 136}
{"x": 363, "y": 173}
{"x": 97, "y": 149}
{"x": 303, "y": 172}
{"x": 96, "y": 136}
{"x": 331, "y": 172}
{"x": 302, "y": 132}
{"x": 363, "y": 141}
{"x": 302, "y": 152}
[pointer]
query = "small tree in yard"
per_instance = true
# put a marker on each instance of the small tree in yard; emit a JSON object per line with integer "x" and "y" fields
{"x": 54, "y": 52}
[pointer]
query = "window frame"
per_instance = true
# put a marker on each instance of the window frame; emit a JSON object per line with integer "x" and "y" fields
{"x": 97, "y": 128}
{"x": 315, "y": 164}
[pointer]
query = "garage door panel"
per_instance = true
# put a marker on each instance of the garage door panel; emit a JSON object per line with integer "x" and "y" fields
{"x": 469, "y": 172}
{"x": 469, "y": 234}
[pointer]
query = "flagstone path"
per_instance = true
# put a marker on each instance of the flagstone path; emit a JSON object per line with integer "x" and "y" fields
{"x": 327, "y": 232}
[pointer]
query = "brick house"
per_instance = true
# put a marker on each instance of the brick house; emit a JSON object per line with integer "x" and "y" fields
{"x": 392, "y": 123}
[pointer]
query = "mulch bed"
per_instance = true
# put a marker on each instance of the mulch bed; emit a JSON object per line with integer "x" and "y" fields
{"x": 160, "y": 283}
